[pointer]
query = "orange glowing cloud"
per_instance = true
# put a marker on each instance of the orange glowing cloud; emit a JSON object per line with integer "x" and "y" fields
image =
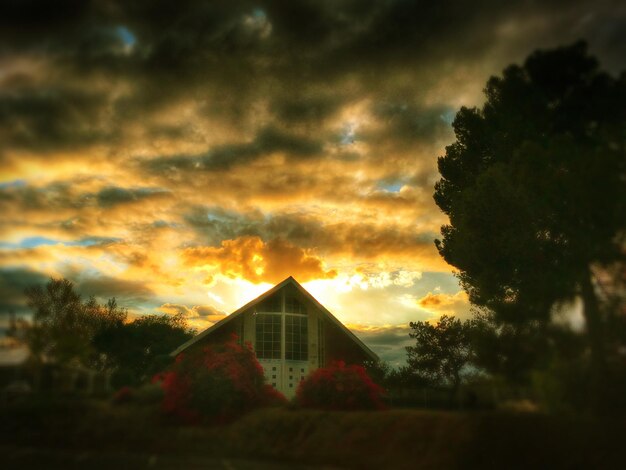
{"x": 251, "y": 258}
{"x": 206, "y": 312}
{"x": 445, "y": 304}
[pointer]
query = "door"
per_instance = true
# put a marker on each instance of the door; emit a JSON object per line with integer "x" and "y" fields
{"x": 284, "y": 376}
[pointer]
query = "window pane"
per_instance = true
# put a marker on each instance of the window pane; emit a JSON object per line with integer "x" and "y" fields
{"x": 296, "y": 338}
{"x": 292, "y": 305}
{"x": 267, "y": 344}
{"x": 271, "y": 305}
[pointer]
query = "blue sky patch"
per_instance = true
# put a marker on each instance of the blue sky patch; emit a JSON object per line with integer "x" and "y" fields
{"x": 393, "y": 186}
{"x": 34, "y": 242}
{"x": 19, "y": 183}
{"x": 126, "y": 35}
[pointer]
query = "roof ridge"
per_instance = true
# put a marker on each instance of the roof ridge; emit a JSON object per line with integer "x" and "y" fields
{"x": 289, "y": 280}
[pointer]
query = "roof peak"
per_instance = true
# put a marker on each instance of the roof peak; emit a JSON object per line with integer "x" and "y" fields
{"x": 263, "y": 296}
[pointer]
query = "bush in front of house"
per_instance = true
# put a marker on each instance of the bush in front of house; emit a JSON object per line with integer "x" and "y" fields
{"x": 123, "y": 395}
{"x": 215, "y": 385}
{"x": 340, "y": 387}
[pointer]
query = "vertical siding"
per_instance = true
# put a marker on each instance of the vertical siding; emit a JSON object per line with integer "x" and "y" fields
{"x": 248, "y": 327}
{"x": 313, "y": 316}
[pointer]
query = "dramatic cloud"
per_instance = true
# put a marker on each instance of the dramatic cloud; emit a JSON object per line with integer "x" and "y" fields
{"x": 445, "y": 304}
{"x": 198, "y": 316}
{"x": 266, "y": 143}
{"x": 112, "y": 195}
{"x": 13, "y": 282}
{"x": 184, "y": 156}
{"x": 206, "y": 312}
{"x": 389, "y": 342}
{"x": 252, "y": 259}
{"x": 133, "y": 292}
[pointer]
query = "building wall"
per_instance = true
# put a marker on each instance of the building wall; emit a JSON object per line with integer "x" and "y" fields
{"x": 314, "y": 316}
{"x": 326, "y": 342}
{"x": 285, "y": 374}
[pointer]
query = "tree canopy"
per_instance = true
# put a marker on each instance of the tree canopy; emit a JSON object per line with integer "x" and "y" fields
{"x": 441, "y": 351}
{"x": 139, "y": 349}
{"x": 534, "y": 188}
{"x": 67, "y": 329}
{"x": 64, "y": 326}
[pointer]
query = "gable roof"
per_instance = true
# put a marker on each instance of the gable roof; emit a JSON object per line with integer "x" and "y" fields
{"x": 290, "y": 280}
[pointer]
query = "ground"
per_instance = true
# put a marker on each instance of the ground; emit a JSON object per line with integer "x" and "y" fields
{"x": 97, "y": 434}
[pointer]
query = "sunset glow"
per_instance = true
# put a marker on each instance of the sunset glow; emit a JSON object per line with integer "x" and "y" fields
{"x": 190, "y": 170}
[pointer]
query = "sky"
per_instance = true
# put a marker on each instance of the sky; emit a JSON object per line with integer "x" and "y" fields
{"x": 186, "y": 156}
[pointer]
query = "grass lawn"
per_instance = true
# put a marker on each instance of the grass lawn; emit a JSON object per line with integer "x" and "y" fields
{"x": 395, "y": 438}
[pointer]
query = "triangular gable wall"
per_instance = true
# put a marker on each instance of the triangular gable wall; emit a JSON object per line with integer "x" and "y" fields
{"x": 276, "y": 288}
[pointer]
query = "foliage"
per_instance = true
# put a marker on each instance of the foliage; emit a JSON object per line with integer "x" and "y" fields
{"x": 511, "y": 351}
{"x": 521, "y": 183}
{"x": 123, "y": 395}
{"x": 64, "y": 326}
{"x": 215, "y": 385}
{"x": 379, "y": 371}
{"x": 340, "y": 387}
{"x": 405, "y": 377}
{"x": 68, "y": 329}
{"x": 534, "y": 190}
{"x": 147, "y": 394}
{"x": 441, "y": 351}
{"x": 139, "y": 349}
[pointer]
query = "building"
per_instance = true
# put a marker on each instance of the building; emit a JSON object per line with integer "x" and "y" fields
{"x": 292, "y": 334}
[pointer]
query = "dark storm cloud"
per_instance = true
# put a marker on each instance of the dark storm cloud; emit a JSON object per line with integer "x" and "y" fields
{"x": 57, "y": 195}
{"x": 231, "y": 54}
{"x": 114, "y": 195}
{"x": 20, "y": 19}
{"x": 48, "y": 118}
{"x": 13, "y": 282}
{"x": 388, "y": 342}
{"x": 410, "y": 122}
{"x": 316, "y": 124}
{"x": 215, "y": 224}
{"x": 310, "y": 109}
{"x": 64, "y": 195}
{"x": 224, "y": 157}
{"x": 300, "y": 36}
{"x": 355, "y": 238}
{"x": 127, "y": 292}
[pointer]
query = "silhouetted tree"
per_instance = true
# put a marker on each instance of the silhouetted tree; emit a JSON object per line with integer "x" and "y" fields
{"x": 378, "y": 370}
{"x": 139, "y": 349}
{"x": 534, "y": 187}
{"x": 510, "y": 351}
{"x": 63, "y": 325}
{"x": 441, "y": 351}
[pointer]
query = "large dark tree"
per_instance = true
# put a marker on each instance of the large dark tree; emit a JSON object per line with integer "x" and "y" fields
{"x": 534, "y": 187}
{"x": 509, "y": 351}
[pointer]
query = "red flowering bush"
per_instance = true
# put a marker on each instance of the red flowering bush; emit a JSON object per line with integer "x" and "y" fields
{"x": 215, "y": 385}
{"x": 340, "y": 387}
